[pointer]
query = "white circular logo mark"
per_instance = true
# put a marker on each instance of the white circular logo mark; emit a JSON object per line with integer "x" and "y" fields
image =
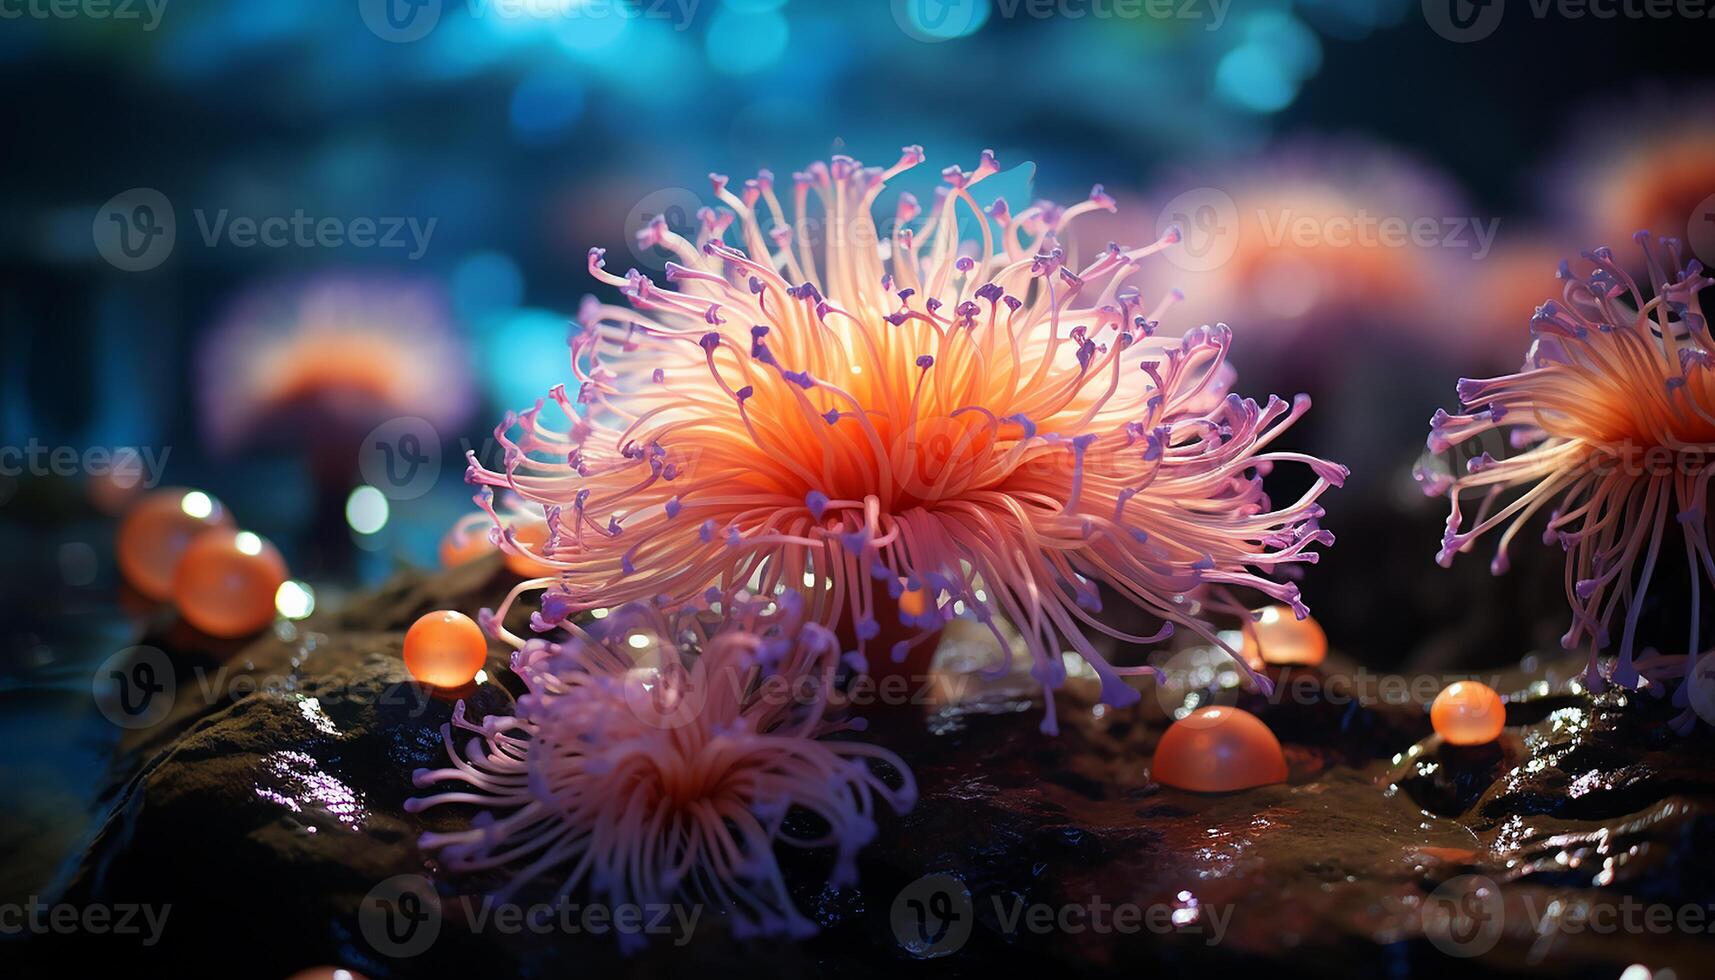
{"x": 1463, "y": 21}
{"x": 1700, "y": 688}
{"x": 400, "y": 21}
{"x": 135, "y": 687}
{"x": 932, "y": 916}
{"x": 1464, "y": 916}
{"x": 401, "y": 457}
{"x": 1193, "y": 679}
{"x": 934, "y": 21}
{"x": 1208, "y": 223}
{"x": 134, "y": 231}
{"x": 666, "y": 699}
{"x": 401, "y": 917}
{"x": 677, "y": 208}
{"x": 1700, "y": 232}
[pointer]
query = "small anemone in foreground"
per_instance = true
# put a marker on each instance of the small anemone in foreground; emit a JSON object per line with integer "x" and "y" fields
{"x": 1611, "y": 425}
{"x": 976, "y": 419}
{"x": 655, "y": 758}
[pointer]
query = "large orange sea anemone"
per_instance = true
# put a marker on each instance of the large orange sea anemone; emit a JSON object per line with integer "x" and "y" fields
{"x": 833, "y": 409}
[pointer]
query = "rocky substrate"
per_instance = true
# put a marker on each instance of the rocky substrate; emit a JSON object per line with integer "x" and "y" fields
{"x": 269, "y": 804}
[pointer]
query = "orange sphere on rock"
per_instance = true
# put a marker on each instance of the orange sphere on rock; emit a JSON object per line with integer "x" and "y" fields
{"x": 1218, "y": 750}
{"x": 226, "y": 582}
{"x": 1468, "y": 713}
{"x": 155, "y": 533}
{"x": 1278, "y": 636}
{"x": 445, "y": 648}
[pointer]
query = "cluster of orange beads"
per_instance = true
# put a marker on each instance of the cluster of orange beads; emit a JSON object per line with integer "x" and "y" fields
{"x": 445, "y": 649}
{"x": 1468, "y": 713}
{"x": 1219, "y": 749}
{"x": 1279, "y": 637}
{"x": 182, "y": 546}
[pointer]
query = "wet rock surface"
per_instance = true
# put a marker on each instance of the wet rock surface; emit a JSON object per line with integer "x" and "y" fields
{"x": 269, "y": 803}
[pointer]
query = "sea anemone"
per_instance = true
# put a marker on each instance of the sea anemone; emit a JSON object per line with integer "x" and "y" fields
{"x": 1312, "y": 243}
{"x": 849, "y": 411}
{"x": 1612, "y": 422}
{"x": 1653, "y": 168}
{"x": 332, "y": 355}
{"x": 655, "y": 758}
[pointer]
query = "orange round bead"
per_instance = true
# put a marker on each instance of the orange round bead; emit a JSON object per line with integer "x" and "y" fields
{"x": 1468, "y": 713}
{"x": 445, "y": 648}
{"x": 156, "y": 532}
{"x": 1278, "y": 636}
{"x": 532, "y": 535}
{"x": 463, "y": 544}
{"x": 1218, "y": 750}
{"x": 226, "y": 583}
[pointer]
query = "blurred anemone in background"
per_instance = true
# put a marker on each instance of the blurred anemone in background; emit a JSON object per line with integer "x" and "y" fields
{"x": 327, "y": 359}
{"x": 1301, "y": 244}
{"x": 1654, "y": 172}
{"x": 1497, "y": 301}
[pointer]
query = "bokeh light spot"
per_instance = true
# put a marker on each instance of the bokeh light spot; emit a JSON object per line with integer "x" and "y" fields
{"x": 366, "y": 510}
{"x": 1252, "y": 76}
{"x": 741, "y": 43}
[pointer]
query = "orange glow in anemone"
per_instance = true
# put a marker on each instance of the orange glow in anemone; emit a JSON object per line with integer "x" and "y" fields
{"x": 1612, "y": 423}
{"x": 973, "y": 418}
